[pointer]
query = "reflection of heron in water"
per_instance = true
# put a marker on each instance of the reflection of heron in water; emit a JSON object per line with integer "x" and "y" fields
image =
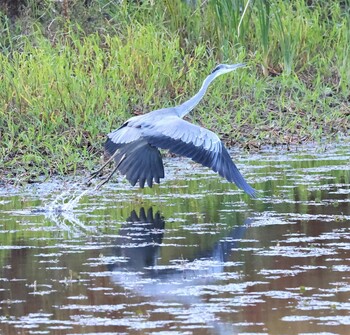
{"x": 135, "y": 145}
{"x": 140, "y": 241}
{"x": 140, "y": 238}
{"x": 139, "y": 246}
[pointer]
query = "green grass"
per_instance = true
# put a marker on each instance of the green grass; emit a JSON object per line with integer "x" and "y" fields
{"x": 70, "y": 75}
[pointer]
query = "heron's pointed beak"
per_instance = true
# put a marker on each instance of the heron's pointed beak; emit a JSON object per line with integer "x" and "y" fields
{"x": 238, "y": 65}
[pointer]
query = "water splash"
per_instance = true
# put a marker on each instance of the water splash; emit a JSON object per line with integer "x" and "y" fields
{"x": 65, "y": 201}
{"x": 69, "y": 206}
{"x": 62, "y": 209}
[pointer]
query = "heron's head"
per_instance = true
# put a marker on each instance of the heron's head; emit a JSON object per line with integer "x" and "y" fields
{"x": 225, "y": 68}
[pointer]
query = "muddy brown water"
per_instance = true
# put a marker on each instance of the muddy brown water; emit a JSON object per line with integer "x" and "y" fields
{"x": 192, "y": 256}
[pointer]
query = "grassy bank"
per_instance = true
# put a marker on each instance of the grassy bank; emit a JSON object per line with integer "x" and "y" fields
{"x": 72, "y": 72}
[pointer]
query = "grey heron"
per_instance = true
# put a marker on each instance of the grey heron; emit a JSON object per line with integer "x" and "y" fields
{"x": 135, "y": 145}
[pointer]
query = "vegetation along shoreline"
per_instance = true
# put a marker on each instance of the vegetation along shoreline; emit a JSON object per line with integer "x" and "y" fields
{"x": 72, "y": 71}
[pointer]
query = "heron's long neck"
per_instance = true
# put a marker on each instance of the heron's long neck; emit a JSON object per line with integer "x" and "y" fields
{"x": 187, "y": 106}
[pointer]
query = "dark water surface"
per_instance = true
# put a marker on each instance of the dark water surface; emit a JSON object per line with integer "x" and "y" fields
{"x": 191, "y": 256}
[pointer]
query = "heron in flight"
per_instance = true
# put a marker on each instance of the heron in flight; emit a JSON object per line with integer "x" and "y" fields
{"x": 135, "y": 145}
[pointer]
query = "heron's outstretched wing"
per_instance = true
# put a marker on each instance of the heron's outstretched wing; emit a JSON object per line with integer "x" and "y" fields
{"x": 139, "y": 161}
{"x": 201, "y": 145}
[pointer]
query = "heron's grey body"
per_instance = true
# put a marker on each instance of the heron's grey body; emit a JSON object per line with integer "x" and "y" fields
{"x": 135, "y": 145}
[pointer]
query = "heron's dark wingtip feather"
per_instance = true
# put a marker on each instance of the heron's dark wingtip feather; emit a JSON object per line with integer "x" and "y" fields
{"x": 138, "y": 161}
{"x": 150, "y": 182}
{"x": 232, "y": 174}
{"x": 252, "y": 192}
{"x": 142, "y": 182}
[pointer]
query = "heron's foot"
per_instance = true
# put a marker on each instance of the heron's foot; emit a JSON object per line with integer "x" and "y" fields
{"x": 92, "y": 176}
{"x": 106, "y": 179}
{"x": 98, "y": 187}
{"x": 88, "y": 181}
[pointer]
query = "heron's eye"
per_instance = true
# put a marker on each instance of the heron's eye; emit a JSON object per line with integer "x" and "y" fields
{"x": 216, "y": 69}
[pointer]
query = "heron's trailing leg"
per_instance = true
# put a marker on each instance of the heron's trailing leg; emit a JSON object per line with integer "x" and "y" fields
{"x": 95, "y": 173}
{"x": 112, "y": 173}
